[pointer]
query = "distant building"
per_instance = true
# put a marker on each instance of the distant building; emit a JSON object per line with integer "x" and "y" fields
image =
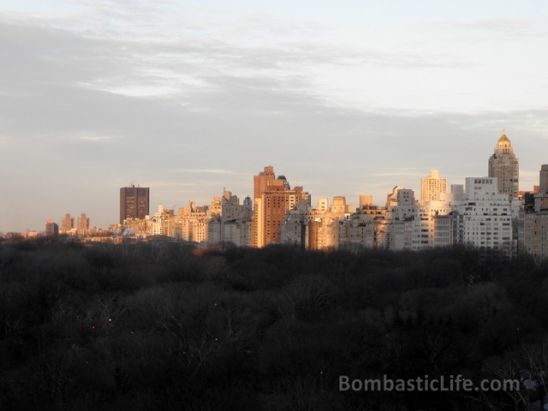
{"x": 366, "y": 227}
{"x": 52, "y": 229}
{"x": 260, "y": 183}
{"x": 324, "y": 223}
{"x": 402, "y": 220}
{"x": 428, "y": 213}
{"x": 446, "y": 230}
{"x": 535, "y": 219}
{"x": 365, "y": 200}
{"x": 536, "y": 233}
{"x": 273, "y": 198}
{"x": 339, "y": 206}
{"x": 193, "y": 222}
{"x": 295, "y": 226}
{"x": 323, "y": 231}
{"x": 67, "y": 224}
{"x": 485, "y": 216}
{"x": 432, "y": 187}
{"x": 82, "y": 225}
{"x": 323, "y": 204}
{"x": 137, "y": 227}
{"x": 457, "y": 192}
{"x": 543, "y": 186}
{"x": 163, "y": 222}
{"x": 134, "y": 202}
{"x": 231, "y": 223}
{"x": 504, "y": 166}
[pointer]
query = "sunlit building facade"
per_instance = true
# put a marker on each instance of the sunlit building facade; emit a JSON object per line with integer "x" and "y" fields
{"x": 504, "y": 166}
{"x": 274, "y": 197}
{"x": 433, "y": 186}
{"x": 82, "y": 225}
{"x": 366, "y": 227}
{"x": 67, "y": 224}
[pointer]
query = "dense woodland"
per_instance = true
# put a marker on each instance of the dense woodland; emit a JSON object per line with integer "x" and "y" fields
{"x": 172, "y": 327}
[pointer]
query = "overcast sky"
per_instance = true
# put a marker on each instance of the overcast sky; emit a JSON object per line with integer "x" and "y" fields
{"x": 188, "y": 97}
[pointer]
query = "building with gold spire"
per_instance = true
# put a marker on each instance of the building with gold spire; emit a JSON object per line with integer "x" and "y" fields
{"x": 504, "y": 165}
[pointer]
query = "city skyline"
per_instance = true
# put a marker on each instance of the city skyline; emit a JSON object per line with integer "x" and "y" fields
{"x": 417, "y": 188}
{"x": 188, "y": 98}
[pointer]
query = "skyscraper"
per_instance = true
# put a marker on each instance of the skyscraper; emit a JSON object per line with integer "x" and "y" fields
{"x": 504, "y": 165}
{"x": 273, "y": 197}
{"x": 52, "y": 229}
{"x": 432, "y": 186}
{"x": 82, "y": 225}
{"x": 260, "y": 182}
{"x": 67, "y": 223}
{"x": 134, "y": 202}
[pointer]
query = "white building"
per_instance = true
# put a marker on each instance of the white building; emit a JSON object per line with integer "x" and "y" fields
{"x": 485, "y": 216}
{"x": 427, "y": 215}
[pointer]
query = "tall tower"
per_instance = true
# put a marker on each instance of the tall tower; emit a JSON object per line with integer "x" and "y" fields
{"x": 543, "y": 188}
{"x": 67, "y": 223}
{"x": 504, "y": 165}
{"x": 273, "y": 198}
{"x": 82, "y": 225}
{"x": 260, "y": 183}
{"x": 432, "y": 186}
{"x": 134, "y": 202}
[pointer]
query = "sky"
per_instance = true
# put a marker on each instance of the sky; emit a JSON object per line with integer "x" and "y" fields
{"x": 191, "y": 97}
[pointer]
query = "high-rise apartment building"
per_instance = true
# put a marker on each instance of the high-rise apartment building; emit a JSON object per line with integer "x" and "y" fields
{"x": 295, "y": 226}
{"x": 364, "y": 228}
{"x": 67, "y": 224}
{"x": 134, "y": 202}
{"x": 485, "y": 216}
{"x": 273, "y": 198}
{"x": 432, "y": 187}
{"x": 194, "y": 223}
{"x": 504, "y": 165}
{"x": 52, "y": 229}
{"x": 402, "y": 219}
{"x": 260, "y": 182}
{"x": 82, "y": 225}
{"x": 535, "y": 220}
{"x": 428, "y": 213}
{"x": 324, "y": 223}
{"x": 232, "y": 222}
